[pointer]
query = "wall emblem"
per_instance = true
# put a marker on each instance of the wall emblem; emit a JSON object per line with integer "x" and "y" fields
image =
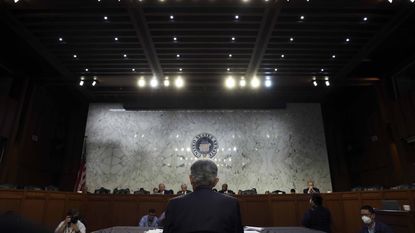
{"x": 204, "y": 145}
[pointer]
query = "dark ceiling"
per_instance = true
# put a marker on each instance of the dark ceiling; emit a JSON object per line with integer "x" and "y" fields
{"x": 204, "y": 41}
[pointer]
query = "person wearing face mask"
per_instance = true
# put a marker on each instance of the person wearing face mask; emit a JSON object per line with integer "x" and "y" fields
{"x": 317, "y": 217}
{"x": 370, "y": 224}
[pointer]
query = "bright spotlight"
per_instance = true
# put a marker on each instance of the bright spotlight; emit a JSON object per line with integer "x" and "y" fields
{"x": 268, "y": 82}
{"x": 315, "y": 83}
{"x": 230, "y": 82}
{"x": 81, "y": 83}
{"x": 154, "y": 82}
{"x": 166, "y": 82}
{"x": 179, "y": 82}
{"x": 255, "y": 82}
{"x": 242, "y": 82}
{"x": 141, "y": 82}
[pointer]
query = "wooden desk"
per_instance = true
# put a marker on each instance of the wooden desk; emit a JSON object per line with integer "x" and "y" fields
{"x": 399, "y": 221}
{"x": 286, "y": 210}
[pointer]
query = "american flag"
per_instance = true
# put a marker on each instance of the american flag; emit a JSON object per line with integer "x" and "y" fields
{"x": 81, "y": 177}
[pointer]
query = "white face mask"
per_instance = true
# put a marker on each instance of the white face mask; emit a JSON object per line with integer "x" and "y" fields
{"x": 366, "y": 220}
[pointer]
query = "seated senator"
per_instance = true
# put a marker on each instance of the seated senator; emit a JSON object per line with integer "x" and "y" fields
{"x": 310, "y": 188}
{"x": 163, "y": 190}
{"x": 225, "y": 189}
{"x": 183, "y": 190}
{"x": 149, "y": 220}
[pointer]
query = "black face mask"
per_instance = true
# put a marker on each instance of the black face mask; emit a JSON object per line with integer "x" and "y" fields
{"x": 74, "y": 219}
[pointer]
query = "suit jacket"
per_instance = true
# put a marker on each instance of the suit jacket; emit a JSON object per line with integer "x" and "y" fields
{"x": 229, "y": 191}
{"x": 317, "y": 218}
{"x": 379, "y": 228}
{"x": 181, "y": 192}
{"x": 316, "y": 190}
{"x": 167, "y": 192}
{"x": 203, "y": 211}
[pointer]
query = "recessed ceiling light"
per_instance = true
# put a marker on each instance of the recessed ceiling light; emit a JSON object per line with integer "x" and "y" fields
{"x": 364, "y": 18}
{"x": 347, "y": 39}
{"x": 268, "y": 82}
{"x": 179, "y": 82}
{"x": 327, "y": 83}
{"x": 230, "y": 82}
{"x": 412, "y": 1}
{"x": 175, "y": 38}
{"x": 282, "y": 55}
{"x": 105, "y": 17}
{"x": 302, "y": 17}
{"x": 276, "y": 69}
{"x": 116, "y": 38}
{"x": 291, "y": 39}
{"x": 94, "y": 83}
{"x": 255, "y": 82}
{"x": 125, "y": 55}
{"x": 75, "y": 56}
{"x": 16, "y": 1}
{"x": 60, "y": 39}
{"x": 86, "y": 69}
{"x": 154, "y": 82}
{"x": 322, "y": 70}
{"x": 228, "y": 69}
{"x": 172, "y": 17}
{"x": 141, "y": 82}
{"x": 233, "y": 38}
{"x": 315, "y": 83}
{"x": 81, "y": 83}
{"x": 236, "y": 16}
{"x": 180, "y": 69}
{"x": 133, "y": 70}
{"x": 177, "y": 55}
{"x": 230, "y": 55}
{"x": 390, "y": 1}
{"x": 242, "y": 82}
{"x": 333, "y": 56}
{"x": 166, "y": 82}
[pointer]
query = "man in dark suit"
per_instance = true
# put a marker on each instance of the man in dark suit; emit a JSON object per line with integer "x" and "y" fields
{"x": 203, "y": 210}
{"x": 225, "y": 189}
{"x": 310, "y": 188}
{"x": 183, "y": 190}
{"x": 162, "y": 190}
{"x": 371, "y": 224}
{"x": 318, "y": 217}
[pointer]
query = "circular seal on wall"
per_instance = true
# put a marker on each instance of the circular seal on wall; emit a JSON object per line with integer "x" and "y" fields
{"x": 204, "y": 145}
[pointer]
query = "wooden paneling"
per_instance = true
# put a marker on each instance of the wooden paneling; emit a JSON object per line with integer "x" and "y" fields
{"x": 100, "y": 211}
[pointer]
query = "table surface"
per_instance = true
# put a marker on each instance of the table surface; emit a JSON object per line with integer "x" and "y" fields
{"x": 129, "y": 229}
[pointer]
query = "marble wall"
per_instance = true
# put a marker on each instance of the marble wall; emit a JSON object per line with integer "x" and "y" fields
{"x": 268, "y": 150}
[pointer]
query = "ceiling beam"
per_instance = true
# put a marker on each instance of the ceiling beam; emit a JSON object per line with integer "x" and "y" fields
{"x": 138, "y": 20}
{"x": 399, "y": 18}
{"x": 264, "y": 35}
{"x": 37, "y": 46}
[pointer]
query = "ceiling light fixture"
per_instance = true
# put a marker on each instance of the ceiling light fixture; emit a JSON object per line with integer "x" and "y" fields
{"x": 242, "y": 82}
{"x": 228, "y": 69}
{"x": 282, "y": 55}
{"x": 105, "y": 17}
{"x": 230, "y": 82}
{"x": 60, "y": 39}
{"x": 125, "y": 55}
{"x": 230, "y": 55}
{"x": 133, "y": 70}
{"x": 86, "y": 69}
{"x": 275, "y": 69}
{"x": 75, "y": 56}
{"x": 302, "y": 17}
{"x": 291, "y": 39}
{"x": 179, "y": 82}
{"x": 81, "y": 83}
{"x": 166, "y": 81}
{"x": 364, "y": 18}
{"x": 315, "y": 83}
{"x": 268, "y": 82}
{"x": 180, "y": 69}
{"x": 347, "y": 39}
{"x": 154, "y": 82}
{"x": 255, "y": 82}
{"x": 175, "y": 38}
{"x": 177, "y": 55}
{"x": 171, "y": 17}
{"x": 116, "y": 38}
{"x": 233, "y": 38}
{"x": 236, "y": 17}
{"x": 141, "y": 82}
{"x": 333, "y": 56}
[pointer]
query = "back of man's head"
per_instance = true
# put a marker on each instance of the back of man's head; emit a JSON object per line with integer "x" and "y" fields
{"x": 317, "y": 199}
{"x": 203, "y": 172}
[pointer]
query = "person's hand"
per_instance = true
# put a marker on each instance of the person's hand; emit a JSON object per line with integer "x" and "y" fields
{"x": 74, "y": 227}
{"x": 67, "y": 219}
